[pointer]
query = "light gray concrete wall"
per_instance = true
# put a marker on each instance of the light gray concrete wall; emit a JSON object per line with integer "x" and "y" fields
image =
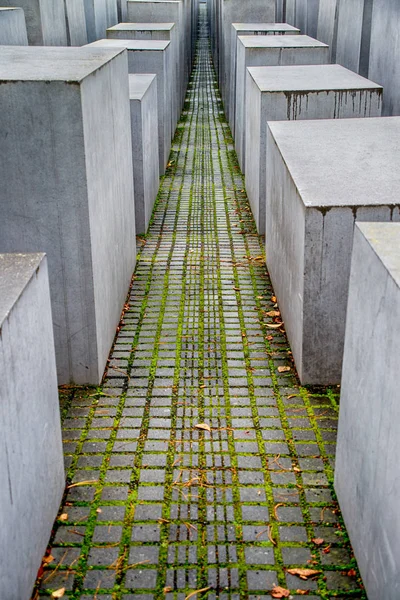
{"x": 354, "y": 34}
{"x": 384, "y": 65}
{"x": 31, "y": 455}
{"x": 297, "y": 93}
{"x": 279, "y": 11}
{"x": 152, "y": 56}
{"x": 367, "y": 480}
{"x": 322, "y": 176}
{"x": 96, "y": 19}
{"x": 156, "y": 31}
{"x": 45, "y": 21}
{"x": 256, "y": 51}
{"x": 312, "y": 17}
{"x": 13, "y": 27}
{"x": 237, "y": 11}
{"x": 327, "y": 25}
{"x": 144, "y": 127}
{"x": 65, "y": 116}
{"x": 248, "y": 29}
{"x": 75, "y": 22}
{"x": 291, "y": 12}
{"x": 122, "y": 10}
{"x": 111, "y": 12}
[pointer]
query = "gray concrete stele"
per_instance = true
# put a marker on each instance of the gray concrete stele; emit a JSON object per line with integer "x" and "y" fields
{"x": 322, "y": 176}
{"x": 31, "y": 454}
{"x": 152, "y": 56}
{"x": 13, "y": 27}
{"x": 76, "y": 23}
{"x": 64, "y": 114}
{"x": 297, "y": 93}
{"x": 367, "y": 471}
{"x": 263, "y": 51}
{"x": 144, "y": 124}
{"x": 45, "y": 21}
{"x": 327, "y": 25}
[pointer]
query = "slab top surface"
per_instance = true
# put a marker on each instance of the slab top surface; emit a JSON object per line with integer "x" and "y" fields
{"x": 16, "y": 270}
{"x": 132, "y": 44}
{"x": 6, "y": 8}
{"x": 51, "y": 63}
{"x": 384, "y": 239}
{"x": 153, "y": 1}
{"x": 139, "y": 84}
{"x": 280, "y": 41}
{"x": 264, "y": 27}
{"x": 142, "y": 27}
{"x": 309, "y": 78}
{"x": 342, "y": 162}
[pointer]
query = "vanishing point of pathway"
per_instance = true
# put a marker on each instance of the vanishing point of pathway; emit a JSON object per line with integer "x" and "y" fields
{"x": 202, "y": 462}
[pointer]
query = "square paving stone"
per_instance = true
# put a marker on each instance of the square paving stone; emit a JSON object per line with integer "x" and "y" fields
{"x": 151, "y": 492}
{"x": 99, "y": 579}
{"x": 152, "y": 476}
{"x": 144, "y": 553}
{"x": 290, "y": 514}
{"x": 292, "y": 533}
{"x": 118, "y": 476}
{"x": 107, "y": 533}
{"x": 114, "y": 493}
{"x": 261, "y": 580}
{"x": 295, "y": 556}
{"x": 145, "y": 533}
{"x": 141, "y": 579}
{"x": 255, "y": 513}
{"x": 102, "y": 556}
{"x": 251, "y": 477}
{"x": 148, "y": 512}
{"x": 68, "y": 534}
{"x": 111, "y": 513}
{"x": 259, "y": 555}
{"x": 251, "y": 494}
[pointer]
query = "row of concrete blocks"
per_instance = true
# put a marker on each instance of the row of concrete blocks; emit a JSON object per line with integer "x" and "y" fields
{"x": 56, "y": 23}
{"x": 363, "y": 36}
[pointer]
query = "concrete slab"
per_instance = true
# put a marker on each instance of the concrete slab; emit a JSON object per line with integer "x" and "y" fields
{"x": 155, "y": 31}
{"x": 64, "y": 114}
{"x": 144, "y": 127}
{"x": 76, "y": 23}
{"x": 322, "y": 177}
{"x": 237, "y": 11}
{"x": 277, "y": 50}
{"x": 152, "y": 56}
{"x": 249, "y": 29}
{"x": 45, "y": 21}
{"x": 328, "y": 25}
{"x": 290, "y": 16}
{"x": 112, "y": 13}
{"x": 96, "y": 19}
{"x": 384, "y": 65}
{"x": 13, "y": 27}
{"x": 31, "y": 454}
{"x": 369, "y": 418}
{"x": 164, "y": 11}
{"x": 354, "y": 35}
{"x": 297, "y": 93}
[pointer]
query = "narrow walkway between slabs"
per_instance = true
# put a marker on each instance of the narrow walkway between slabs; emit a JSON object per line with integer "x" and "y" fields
{"x": 203, "y": 463}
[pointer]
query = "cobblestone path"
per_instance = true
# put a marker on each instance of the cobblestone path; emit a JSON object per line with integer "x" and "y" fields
{"x": 204, "y": 464}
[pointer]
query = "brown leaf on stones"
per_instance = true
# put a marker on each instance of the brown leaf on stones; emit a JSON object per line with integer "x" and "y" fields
{"x": 58, "y": 593}
{"x": 48, "y": 559}
{"x": 88, "y": 482}
{"x": 302, "y": 592}
{"x": 275, "y": 325}
{"x": 197, "y": 592}
{"x": 63, "y": 517}
{"x": 167, "y": 589}
{"x": 279, "y": 592}
{"x": 283, "y": 369}
{"x": 203, "y": 426}
{"x": 318, "y": 541}
{"x": 304, "y": 573}
{"x": 273, "y": 313}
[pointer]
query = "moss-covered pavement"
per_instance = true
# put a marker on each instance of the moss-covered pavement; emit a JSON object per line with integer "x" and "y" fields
{"x": 202, "y": 462}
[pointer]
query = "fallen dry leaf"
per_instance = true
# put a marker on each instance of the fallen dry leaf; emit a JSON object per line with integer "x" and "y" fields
{"x": 273, "y": 298}
{"x": 197, "y": 592}
{"x": 87, "y": 482}
{"x": 304, "y": 573}
{"x": 273, "y": 313}
{"x": 48, "y": 559}
{"x": 167, "y": 589}
{"x": 63, "y": 517}
{"x": 203, "y": 426}
{"x": 279, "y": 592}
{"x": 302, "y": 592}
{"x": 318, "y": 541}
{"x": 275, "y": 325}
{"x": 283, "y": 369}
{"x": 58, "y": 593}
{"x": 352, "y": 573}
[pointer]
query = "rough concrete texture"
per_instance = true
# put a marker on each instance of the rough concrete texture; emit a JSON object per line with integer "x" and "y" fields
{"x": 112, "y": 13}
{"x": 31, "y": 463}
{"x": 290, "y": 16}
{"x": 384, "y": 65}
{"x": 122, "y": 10}
{"x": 13, "y": 27}
{"x": 165, "y": 11}
{"x": 367, "y": 478}
{"x": 297, "y": 93}
{"x": 76, "y": 22}
{"x": 354, "y": 34}
{"x": 152, "y": 56}
{"x": 144, "y": 127}
{"x": 327, "y": 25}
{"x": 166, "y": 506}
{"x": 282, "y": 50}
{"x": 237, "y": 11}
{"x": 96, "y": 19}
{"x": 64, "y": 115}
{"x": 249, "y": 29}
{"x": 322, "y": 176}
{"x": 45, "y": 21}
{"x": 155, "y": 31}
